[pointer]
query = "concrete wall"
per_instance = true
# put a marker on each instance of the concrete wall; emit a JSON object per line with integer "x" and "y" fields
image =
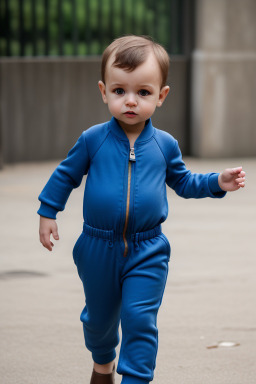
{"x": 224, "y": 79}
{"x": 47, "y": 102}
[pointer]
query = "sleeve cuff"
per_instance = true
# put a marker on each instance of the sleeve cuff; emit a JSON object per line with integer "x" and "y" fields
{"x": 214, "y": 186}
{"x": 47, "y": 211}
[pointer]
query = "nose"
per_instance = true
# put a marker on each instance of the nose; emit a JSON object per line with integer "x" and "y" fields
{"x": 131, "y": 100}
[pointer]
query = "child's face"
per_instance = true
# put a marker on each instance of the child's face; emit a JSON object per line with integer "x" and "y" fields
{"x": 132, "y": 97}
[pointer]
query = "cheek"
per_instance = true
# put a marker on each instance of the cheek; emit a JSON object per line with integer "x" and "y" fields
{"x": 114, "y": 105}
{"x": 149, "y": 107}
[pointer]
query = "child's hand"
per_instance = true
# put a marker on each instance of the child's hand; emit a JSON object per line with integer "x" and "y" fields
{"x": 48, "y": 226}
{"x": 232, "y": 179}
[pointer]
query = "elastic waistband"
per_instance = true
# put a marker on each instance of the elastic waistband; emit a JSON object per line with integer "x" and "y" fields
{"x": 111, "y": 235}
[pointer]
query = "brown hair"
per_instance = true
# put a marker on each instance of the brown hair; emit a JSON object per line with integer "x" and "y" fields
{"x": 131, "y": 51}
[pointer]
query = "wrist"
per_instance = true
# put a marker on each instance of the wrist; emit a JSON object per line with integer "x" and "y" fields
{"x": 220, "y": 181}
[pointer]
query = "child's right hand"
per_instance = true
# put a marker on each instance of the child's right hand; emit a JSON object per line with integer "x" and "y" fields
{"x": 46, "y": 227}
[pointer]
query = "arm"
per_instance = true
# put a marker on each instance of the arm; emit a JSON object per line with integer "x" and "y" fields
{"x": 67, "y": 175}
{"x": 187, "y": 184}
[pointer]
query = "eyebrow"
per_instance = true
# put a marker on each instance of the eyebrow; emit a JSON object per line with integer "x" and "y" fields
{"x": 117, "y": 84}
{"x": 146, "y": 86}
{"x": 139, "y": 85}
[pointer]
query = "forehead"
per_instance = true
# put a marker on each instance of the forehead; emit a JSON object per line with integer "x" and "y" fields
{"x": 148, "y": 71}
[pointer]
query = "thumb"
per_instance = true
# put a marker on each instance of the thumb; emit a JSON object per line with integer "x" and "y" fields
{"x": 55, "y": 235}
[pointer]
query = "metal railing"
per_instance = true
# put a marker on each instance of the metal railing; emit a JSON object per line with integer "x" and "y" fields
{"x": 86, "y": 27}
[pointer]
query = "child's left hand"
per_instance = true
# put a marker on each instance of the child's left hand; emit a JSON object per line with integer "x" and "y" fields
{"x": 232, "y": 179}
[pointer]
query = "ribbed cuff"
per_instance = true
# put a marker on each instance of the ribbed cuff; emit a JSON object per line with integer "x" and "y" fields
{"x": 214, "y": 184}
{"x": 47, "y": 211}
{"x": 104, "y": 359}
{"x": 133, "y": 380}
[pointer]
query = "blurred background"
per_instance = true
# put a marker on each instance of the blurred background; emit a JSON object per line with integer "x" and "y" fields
{"x": 50, "y": 66}
{"x": 49, "y": 69}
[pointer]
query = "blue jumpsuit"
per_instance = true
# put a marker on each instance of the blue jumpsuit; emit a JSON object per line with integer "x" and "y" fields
{"x": 122, "y": 255}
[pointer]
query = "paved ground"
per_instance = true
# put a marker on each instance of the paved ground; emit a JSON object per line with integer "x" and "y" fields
{"x": 209, "y": 297}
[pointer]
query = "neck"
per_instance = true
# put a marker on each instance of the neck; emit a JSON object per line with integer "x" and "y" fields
{"x": 132, "y": 129}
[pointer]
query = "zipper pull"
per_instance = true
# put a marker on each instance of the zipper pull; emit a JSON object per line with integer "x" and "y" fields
{"x": 132, "y": 155}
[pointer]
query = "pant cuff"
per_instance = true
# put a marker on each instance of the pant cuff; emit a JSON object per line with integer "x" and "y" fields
{"x": 133, "y": 380}
{"x": 104, "y": 359}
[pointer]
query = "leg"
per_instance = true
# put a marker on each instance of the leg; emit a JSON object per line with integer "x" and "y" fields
{"x": 142, "y": 292}
{"x": 104, "y": 368}
{"x": 98, "y": 269}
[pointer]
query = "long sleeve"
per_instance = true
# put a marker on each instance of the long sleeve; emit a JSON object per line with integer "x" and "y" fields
{"x": 188, "y": 184}
{"x": 67, "y": 175}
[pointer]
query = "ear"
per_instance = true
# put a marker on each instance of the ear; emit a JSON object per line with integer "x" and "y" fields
{"x": 102, "y": 88}
{"x": 163, "y": 93}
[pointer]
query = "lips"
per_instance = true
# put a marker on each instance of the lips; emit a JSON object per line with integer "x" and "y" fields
{"x": 130, "y": 113}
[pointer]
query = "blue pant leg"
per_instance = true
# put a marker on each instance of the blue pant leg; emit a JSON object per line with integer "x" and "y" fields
{"x": 99, "y": 270}
{"x": 143, "y": 283}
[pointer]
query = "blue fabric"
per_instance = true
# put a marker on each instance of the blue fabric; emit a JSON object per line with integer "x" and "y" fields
{"x": 133, "y": 380}
{"x": 123, "y": 288}
{"x": 214, "y": 184}
{"x": 102, "y": 153}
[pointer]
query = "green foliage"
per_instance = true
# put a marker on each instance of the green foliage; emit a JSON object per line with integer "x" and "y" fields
{"x": 91, "y": 25}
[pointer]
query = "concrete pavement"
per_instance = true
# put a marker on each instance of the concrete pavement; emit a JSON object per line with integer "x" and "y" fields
{"x": 209, "y": 297}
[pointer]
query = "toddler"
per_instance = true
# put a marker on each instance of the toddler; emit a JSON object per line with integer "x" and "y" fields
{"x": 122, "y": 256}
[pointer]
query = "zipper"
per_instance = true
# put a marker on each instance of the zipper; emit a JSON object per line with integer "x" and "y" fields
{"x": 131, "y": 159}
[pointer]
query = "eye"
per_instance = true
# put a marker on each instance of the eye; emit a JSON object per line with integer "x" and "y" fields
{"x": 144, "y": 92}
{"x": 119, "y": 91}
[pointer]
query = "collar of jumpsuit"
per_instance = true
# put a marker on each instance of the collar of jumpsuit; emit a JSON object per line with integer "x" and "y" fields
{"x": 145, "y": 135}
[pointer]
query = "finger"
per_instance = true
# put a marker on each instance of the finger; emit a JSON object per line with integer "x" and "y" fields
{"x": 48, "y": 246}
{"x": 236, "y": 170}
{"x": 55, "y": 235}
{"x": 46, "y": 242}
{"x": 242, "y": 185}
{"x": 240, "y": 180}
{"x": 241, "y": 174}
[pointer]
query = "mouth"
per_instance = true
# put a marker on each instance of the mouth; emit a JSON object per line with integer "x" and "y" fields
{"x": 130, "y": 114}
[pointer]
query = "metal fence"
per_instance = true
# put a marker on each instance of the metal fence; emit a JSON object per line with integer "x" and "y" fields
{"x": 86, "y": 27}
